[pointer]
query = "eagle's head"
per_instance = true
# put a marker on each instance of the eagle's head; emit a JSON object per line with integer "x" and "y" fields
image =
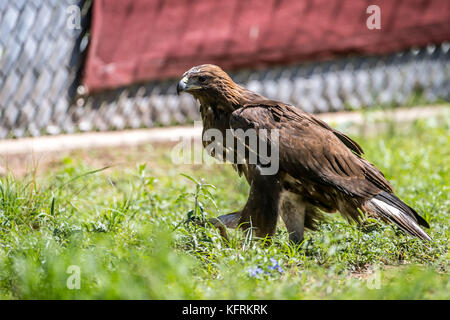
{"x": 203, "y": 80}
{"x": 212, "y": 86}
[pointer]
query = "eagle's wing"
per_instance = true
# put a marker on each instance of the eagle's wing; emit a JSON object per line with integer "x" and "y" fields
{"x": 310, "y": 149}
{"x": 352, "y": 145}
{"x": 312, "y": 152}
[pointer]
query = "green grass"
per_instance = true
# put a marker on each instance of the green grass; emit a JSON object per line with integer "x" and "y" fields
{"x": 126, "y": 228}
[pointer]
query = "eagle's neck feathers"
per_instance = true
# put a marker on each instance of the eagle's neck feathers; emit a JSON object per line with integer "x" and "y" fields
{"x": 226, "y": 95}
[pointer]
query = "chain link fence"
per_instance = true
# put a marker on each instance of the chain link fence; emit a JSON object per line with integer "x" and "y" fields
{"x": 344, "y": 84}
{"x": 41, "y": 59}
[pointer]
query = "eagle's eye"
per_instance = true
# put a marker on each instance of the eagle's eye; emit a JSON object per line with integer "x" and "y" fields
{"x": 201, "y": 79}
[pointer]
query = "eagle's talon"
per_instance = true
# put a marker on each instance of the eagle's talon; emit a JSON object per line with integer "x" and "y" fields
{"x": 216, "y": 223}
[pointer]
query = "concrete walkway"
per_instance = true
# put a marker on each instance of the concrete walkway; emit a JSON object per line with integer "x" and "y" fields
{"x": 160, "y": 135}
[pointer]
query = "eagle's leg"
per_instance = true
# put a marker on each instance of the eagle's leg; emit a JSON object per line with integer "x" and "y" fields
{"x": 261, "y": 210}
{"x": 292, "y": 211}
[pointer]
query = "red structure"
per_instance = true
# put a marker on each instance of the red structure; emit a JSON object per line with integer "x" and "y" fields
{"x": 139, "y": 40}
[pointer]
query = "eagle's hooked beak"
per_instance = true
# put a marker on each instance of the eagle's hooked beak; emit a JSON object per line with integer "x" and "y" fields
{"x": 182, "y": 85}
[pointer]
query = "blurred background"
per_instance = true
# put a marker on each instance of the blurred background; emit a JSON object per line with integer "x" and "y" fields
{"x": 76, "y": 65}
{"x": 115, "y": 203}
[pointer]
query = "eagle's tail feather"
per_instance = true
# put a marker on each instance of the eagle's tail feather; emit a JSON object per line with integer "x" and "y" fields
{"x": 391, "y": 208}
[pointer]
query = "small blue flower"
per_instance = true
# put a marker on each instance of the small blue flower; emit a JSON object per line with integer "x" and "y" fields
{"x": 254, "y": 272}
{"x": 275, "y": 265}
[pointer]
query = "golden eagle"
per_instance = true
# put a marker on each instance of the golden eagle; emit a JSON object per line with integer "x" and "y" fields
{"x": 319, "y": 168}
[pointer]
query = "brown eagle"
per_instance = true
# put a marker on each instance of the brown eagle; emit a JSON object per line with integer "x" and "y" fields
{"x": 319, "y": 168}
